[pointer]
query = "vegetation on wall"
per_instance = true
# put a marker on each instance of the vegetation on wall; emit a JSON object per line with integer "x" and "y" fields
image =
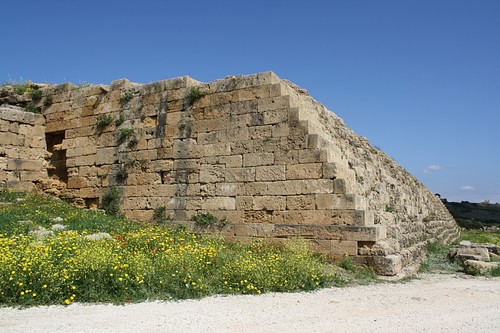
{"x": 194, "y": 94}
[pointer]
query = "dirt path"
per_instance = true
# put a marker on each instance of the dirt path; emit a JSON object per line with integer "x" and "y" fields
{"x": 433, "y": 303}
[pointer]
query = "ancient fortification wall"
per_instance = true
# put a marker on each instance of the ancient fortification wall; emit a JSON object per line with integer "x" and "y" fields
{"x": 255, "y": 150}
{"x": 22, "y": 148}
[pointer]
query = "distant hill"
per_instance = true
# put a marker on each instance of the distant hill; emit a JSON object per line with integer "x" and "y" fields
{"x": 472, "y": 215}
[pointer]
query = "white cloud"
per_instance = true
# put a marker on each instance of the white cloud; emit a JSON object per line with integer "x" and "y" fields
{"x": 434, "y": 167}
{"x": 467, "y": 188}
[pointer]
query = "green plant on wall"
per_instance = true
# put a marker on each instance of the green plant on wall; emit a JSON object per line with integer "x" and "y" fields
{"x": 121, "y": 174}
{"x": 32, "y": 108}
{"x": 124, "y": 134}
{"x": 47, "y": 101}
{"x": 120, "y": 120}
{"x": 36, "y": 95}
{"x": 194, "y": 94}
{"x": 111, "y": 201}
{"x": 206, "y": 219}
{"x": 103, "y": 121}
{"x": 126, "y": 97}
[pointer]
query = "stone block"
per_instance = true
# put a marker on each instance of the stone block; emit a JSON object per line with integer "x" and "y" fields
{"x": 232, "y": 161}
{"x": 256, "y": 159}
{"x": 235, "y": 175}
{"x": 300, "y": 202}
{"x": 349, "y": 233}
{"x": 253, "y": 229}
{"x": 273, "y": 103}
{"x": 257, "y": 132}
{"x": 77, "y": 182}
{"x": 340, "y": 248}
{"x": 275, "y": 116}
{"x": 313, "y": 156}
{"x": 269, "y": 203}
{"x": 259, "y": 216}
{"x": 212, "y": 173}
{"x": 329, "y": 170}
{"x": 364, "y": 217}
{"x": 270, "y": 173}
{"x": 217, "y": 149}
{"x": 244, "y": 202}
{"x": 105, "y": 156}
{"x": 228, "y": 189}
{"x": 219, "y": 203}
{"x": 303, "y": 171}
{"x": 335, "y": 201}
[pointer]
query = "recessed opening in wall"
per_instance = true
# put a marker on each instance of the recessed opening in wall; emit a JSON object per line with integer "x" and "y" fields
{"x": 92, "y": 203}
{"x": 57, "y": 162}
{"x": 165, "y": 177}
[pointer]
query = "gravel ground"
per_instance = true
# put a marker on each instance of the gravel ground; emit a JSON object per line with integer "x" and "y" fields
{"x": 431, "y": 303}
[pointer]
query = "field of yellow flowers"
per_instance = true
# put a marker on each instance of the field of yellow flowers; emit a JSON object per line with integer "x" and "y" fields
{"x": 137, "y": 262}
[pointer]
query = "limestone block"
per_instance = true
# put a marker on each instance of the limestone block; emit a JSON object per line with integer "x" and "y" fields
{"x": 85, "y": 160}
{"x": 273, "y": 103}
{"x": 256, "y": 132}
{"x": 340, "y": 248}
{"x": 186, "y": 164}
{"x": 208, "y": 137}
{"x": 364, "y": 217}
{"x": 244, "y": 202}
{"x": 286, "y": 157}
{"x": 87, "y": 192}
{"x": 194, "y": 203}
{"x": 269, "y": 203}
{"x": 235, "y": 175}
{"x": 353, "y": 233}
{"x": 232, "y": 161}
{"x": 26, "y": 176}
{"x": 77, "y": 182}
{"x": 256, "y": 159}
{"x": 329, "y": 170}
{"x": 300, "y": 202}
{"x": 270, "y": 173}
{"x": 313, "y": 156}
{"x": 343, "y": 217}
{"x": 236, "y": 134}
{"x": 253, "y": 229}
{"x": 20, "y": 164}
{"x": 105, "y": 156}
{"x": 213, "y": 173}
{"x": 217, "y": 149}
{"x": 216, "y": 203}
{"x": 314, "y": 186}
{"x": 335, "y": 201}
{"x": 176, "y": 203}
{"x": 259, "y": 216}
{"x": 228, "y": 189}
{"x": 265, "y": 91}
{"x": 36, "y": 142}
{"x": 275, "y": 116}
{"x": 304, "y": 171}
{"x": 340, "y": 186}
{"x": 316, "y": 217}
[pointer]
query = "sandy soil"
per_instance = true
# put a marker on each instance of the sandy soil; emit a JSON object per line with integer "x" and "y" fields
{"x": 432, "y": 303}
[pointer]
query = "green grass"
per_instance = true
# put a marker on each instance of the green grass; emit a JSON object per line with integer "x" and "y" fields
{"x": 141, "y": 261}
{"x": 438, "y": 261}
{"x": 476, "y": 236}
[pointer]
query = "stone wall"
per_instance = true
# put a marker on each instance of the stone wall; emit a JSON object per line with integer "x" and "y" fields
{"x": 22, "y": 148}
{"x": 255, "y": 150}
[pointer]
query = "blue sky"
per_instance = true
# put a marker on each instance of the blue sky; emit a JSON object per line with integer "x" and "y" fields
{"x": 419, "y": 79}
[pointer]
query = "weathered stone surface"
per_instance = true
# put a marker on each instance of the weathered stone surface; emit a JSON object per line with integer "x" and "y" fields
{"x": 254, "y": 149}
